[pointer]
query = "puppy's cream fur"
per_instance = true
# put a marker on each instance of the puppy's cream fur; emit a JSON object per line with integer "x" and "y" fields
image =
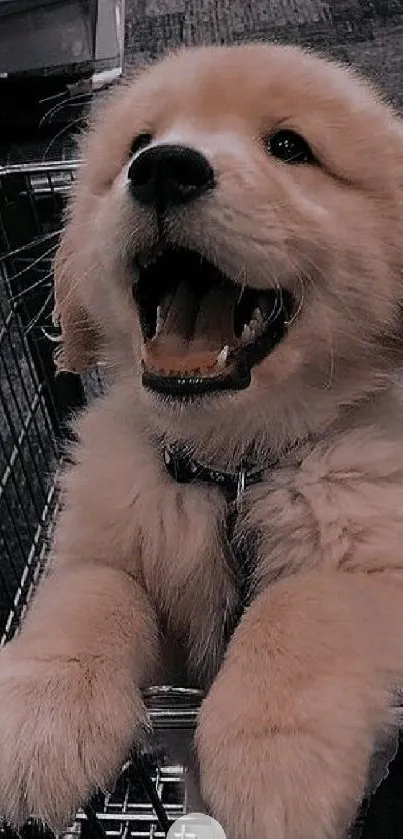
{"x": 294, "y": 710}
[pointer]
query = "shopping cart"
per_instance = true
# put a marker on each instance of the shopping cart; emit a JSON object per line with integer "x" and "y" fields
{"x": 150, "y": 792}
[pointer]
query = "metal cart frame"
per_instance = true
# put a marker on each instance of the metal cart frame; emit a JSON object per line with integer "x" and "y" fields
{"x": 149, "y": 794}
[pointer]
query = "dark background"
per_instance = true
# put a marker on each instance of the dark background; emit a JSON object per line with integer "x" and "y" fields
{"x": 368, "y": 33}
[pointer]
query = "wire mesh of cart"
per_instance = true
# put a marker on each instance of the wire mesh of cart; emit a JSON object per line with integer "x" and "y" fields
{"x": 34, "y": 405}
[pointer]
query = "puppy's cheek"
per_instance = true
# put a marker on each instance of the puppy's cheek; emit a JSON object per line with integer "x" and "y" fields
{"x": 136, "y": 341}
{"x": 130, "y": 225}
{"x": 123, "y": 327}
{"x": 286, "y": 361}
{"x": 110, "y": 301}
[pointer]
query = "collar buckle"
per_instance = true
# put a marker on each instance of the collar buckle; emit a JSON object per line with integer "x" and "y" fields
{"x": 184, "y": 469}
{"x": 241, "y": 484}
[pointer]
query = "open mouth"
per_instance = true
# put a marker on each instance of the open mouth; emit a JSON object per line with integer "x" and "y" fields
{"x": 203, "y": 333}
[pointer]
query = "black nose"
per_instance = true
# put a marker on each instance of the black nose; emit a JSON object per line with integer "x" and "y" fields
{"x": 168, "y": 175}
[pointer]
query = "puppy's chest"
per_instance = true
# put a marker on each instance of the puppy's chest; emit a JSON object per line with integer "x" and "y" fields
{"x": 242, "y": 539}
{"x": 207, "y": 552}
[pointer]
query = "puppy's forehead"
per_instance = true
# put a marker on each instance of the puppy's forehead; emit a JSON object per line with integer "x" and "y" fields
{"x": 225, "y": 98}
{"x": 211, "y": 84}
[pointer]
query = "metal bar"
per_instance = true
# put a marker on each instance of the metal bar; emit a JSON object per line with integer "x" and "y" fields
{"x": 148, "y": 797}
{"x": 40, "y": 168}
{"x": 94, "y": 828}
{"x": 151, "y": 791}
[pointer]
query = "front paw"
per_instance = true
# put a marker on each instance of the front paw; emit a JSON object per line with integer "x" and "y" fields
{"x": 273, "y": 782}
{"x": 66, "y": 726}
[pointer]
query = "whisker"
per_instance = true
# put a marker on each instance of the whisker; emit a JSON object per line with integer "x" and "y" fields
{"x": 242, "y": 274}
{"x": 331, "y": 373}
{"x": 74, "y": 100}
{"x": 60, "y": 134}
{"x": 39, "y": 314}
{"x": 33, "y": 243}
{"x": 55, "y": 339}
{"x": 64, "y": 95}
{"x": 278, "y": 305}
{"x": 37, "y": 284}
{"x": 300, "y": 305}
{"x": 32, "y": 264}
{"x": 73, "y": 284}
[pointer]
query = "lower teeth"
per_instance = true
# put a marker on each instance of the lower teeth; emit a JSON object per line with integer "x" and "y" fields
{"x": 222, "y": 356}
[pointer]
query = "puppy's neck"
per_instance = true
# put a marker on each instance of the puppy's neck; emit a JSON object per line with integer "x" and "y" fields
{"x": 225, "y": 440}
{"x": 188, "y": 461}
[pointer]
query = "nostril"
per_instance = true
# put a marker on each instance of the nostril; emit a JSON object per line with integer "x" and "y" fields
{"x": 170, "y": 175}
{"x": 191, "y": 170}
{"x": 141, "y": 172}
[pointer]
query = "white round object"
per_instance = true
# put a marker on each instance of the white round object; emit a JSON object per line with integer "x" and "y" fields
{"x": 196, "y": 826}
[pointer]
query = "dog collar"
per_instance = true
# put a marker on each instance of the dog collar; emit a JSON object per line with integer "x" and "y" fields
{"x": 185, "y": 470}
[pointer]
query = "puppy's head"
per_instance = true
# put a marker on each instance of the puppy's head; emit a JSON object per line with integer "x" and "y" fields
{"x": 233, "y": 245}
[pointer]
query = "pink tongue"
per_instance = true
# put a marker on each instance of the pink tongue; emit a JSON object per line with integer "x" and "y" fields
{"x": 181, "y": 316}
{"x": 194, "y": 332}
{"x": 215, "y": 319}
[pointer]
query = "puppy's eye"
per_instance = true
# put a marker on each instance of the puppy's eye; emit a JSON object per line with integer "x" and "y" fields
{"x": 290, "y": 147}
{"x": 140, "y": 142}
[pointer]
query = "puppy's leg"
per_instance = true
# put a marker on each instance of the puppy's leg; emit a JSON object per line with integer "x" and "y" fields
{"x": 286, "y": 733}
{"x": 70, "y": 702}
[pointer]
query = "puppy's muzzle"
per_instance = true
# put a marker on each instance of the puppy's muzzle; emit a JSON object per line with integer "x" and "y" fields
{"x": 202, "y": 331}
{"x": 166, "y": 176}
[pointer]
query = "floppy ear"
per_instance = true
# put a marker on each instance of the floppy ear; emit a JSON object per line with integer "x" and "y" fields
{"x": 80, "y": 338}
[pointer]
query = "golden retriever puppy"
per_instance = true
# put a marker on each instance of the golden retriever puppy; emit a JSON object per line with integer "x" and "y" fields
{"x": 233, "y": 252}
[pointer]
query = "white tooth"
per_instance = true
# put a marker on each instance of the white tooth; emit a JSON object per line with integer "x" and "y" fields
{"x": 159, "y": 321}
{"x": 245, "y": 337}
{"x": 256, "y": 326}
{"x": 165, "y": 304}
{"x": 162, "y": 311}
{"x": 222, "y": 356}
{"x": 257, "y": 315}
